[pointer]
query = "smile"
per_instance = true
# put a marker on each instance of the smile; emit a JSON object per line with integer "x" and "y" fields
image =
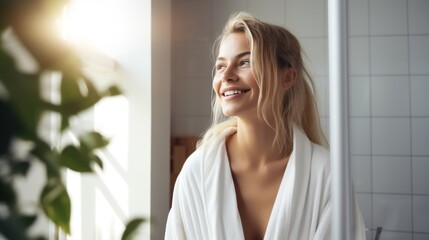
{"x": 234, "y": 92}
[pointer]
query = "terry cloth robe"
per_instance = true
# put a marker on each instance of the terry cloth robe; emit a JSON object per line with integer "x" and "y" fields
{"x": 205, "y": 207}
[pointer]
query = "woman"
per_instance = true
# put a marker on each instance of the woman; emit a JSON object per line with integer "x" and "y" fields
{"x": 262, "y": 172}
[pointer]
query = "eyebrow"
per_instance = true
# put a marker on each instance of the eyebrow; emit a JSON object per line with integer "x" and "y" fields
{"x": 237, "y": 56}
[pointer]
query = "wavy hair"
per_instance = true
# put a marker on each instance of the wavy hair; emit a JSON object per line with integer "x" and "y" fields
{"x": 273, "y": 49}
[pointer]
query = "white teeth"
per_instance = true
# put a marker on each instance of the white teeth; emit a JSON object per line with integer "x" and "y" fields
{"x": 232, "y": 92}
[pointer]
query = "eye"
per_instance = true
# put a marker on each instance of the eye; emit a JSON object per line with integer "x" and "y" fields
{"x": 245, "y": 62}
{"x": 220, "y": 66}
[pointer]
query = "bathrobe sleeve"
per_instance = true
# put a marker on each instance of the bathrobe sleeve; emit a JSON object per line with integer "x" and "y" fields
{"x": 174, "y": 227}
{"x": 323, "y": 231}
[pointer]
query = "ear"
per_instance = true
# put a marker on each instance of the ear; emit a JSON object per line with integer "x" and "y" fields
{"x": 289, "y": 77}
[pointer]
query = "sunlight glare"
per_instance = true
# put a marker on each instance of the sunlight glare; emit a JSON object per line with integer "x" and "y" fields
{"x": 99, "y": 24}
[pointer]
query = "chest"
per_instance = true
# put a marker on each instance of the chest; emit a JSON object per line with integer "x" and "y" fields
{"x": 256, "y": 194}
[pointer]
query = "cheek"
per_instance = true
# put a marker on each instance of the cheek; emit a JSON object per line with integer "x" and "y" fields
{"x": 216, "y": 85}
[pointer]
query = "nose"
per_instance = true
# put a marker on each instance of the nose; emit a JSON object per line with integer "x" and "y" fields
{"x": 229, "y": 75}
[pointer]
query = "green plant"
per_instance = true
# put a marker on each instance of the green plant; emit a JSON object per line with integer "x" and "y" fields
{"x": 21, "y": 108}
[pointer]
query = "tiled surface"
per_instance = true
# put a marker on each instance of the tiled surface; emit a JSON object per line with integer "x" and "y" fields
{"x": 360, "y": 136}
{"x": 421, "y": 214}
{"x": 419, "y": 54}
{"x": 361, "y": 172}
{"x": 365, "y": 206}
{"x": 359, "y": 96}
{"x": 391, "y": 136}
{"x": 389, "y": 55}
{"x": 222, "y": 10}
{"x": 192, "y": 20}
{"x": 419, "y": 95}
{"x": 391, "y": 174}
{"x": 315, "y": 55}
{"x": 420, "y": 136}
{"x": 358, "y": 17}
{"x": 305, "y": 18}
{"x": 272, "y": 12}
{"x": 390, "y": 96}
{"x": 388, "y": 92}
{"x": 388, "y": 17}
{"x": 359, "y": 56}
{"x": 392, "y": 212}
{"x": 389, "y": 235}
{"x": 192, "y": 59}
{"x": 420, "y": 175}
{"x": 321, "y": 89}
{"x": 418, "y": 16}
{"x": 421, "y": 236}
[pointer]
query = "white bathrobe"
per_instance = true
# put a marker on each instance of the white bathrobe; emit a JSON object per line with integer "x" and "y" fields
{"x": 205, "y": 205}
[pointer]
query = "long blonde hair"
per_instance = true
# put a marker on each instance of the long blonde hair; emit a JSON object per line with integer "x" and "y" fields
{"x": 273, "y": 49}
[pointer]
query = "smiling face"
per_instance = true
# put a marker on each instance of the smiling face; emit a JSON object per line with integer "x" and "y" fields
{"x": 234, "y": 84}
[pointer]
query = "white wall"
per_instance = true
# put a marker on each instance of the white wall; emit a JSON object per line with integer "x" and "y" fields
{"x": 389, "y": 80}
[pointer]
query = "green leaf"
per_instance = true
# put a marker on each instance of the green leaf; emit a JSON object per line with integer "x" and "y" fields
{"x": 20, "y": 167}
{"x": 47, "y": 156}
{"x": 27, "y": 220}
{"x": 7, "y": 195}
{"x": 73, "y": 158}
{"x": 9, "y": 126}
{"x": 73, "y": 98}
{"x": 93, "y": 140}
{"x": 56, "y": 203}
{"x": 112, "y": 91}
{"x": 131, "y": 228}
{"x": 11, "y": 229}
{"x": 97, "y": 160}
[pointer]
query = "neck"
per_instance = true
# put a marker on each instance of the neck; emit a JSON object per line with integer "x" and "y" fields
{"x": 254, "y": 142}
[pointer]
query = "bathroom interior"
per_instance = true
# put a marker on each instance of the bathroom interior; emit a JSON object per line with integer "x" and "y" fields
{"x": 163, "y": 62}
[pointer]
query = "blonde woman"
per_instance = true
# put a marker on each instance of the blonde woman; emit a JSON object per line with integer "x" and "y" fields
{"x": 260, "y": 171}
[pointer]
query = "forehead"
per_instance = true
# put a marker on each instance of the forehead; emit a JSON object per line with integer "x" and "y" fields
{"x": 234, "y": 44}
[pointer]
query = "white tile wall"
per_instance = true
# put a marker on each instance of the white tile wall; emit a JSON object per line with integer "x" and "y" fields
{"x": 321, "y": 89}
{"x": 365, "y": 206}
{"x": 360, "y": 136}
{"x": 388, "y": 92}
{"x": 395, "y": 235}
{"x": 191, "y": 20}
{"x": 420, "y": 175}
{"x": 421, "y": 214}
{"x": 272, "y": 12}
{"x": 420, "y": 136}
{"x": 389, "y": 55}
{"x": 359, "y": 55}
{"x": 192, "y": 97}
{"x": 419, "y": 54}
{"x": 359, "y": 96}
{"x": 421, "y": 236}
{"x": 222, "y": 9}
{"x": 390, "y": 96}
{"x": 192, "y": 59}
{"x": 392, "y": 212}
{"x": 419, "y": 95}
{"x": 315, "y": 55}
{"x": 391, "y": 174}
{"x": 361, "y": 172}
{"x": 418, "y": 16}
{"x": 391, "y": 136}
{"x": 189, "y": 125}
{"x": 306, "y": 18}
{"x": 358, "y": 17}
{"x": 388, "y": 17}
